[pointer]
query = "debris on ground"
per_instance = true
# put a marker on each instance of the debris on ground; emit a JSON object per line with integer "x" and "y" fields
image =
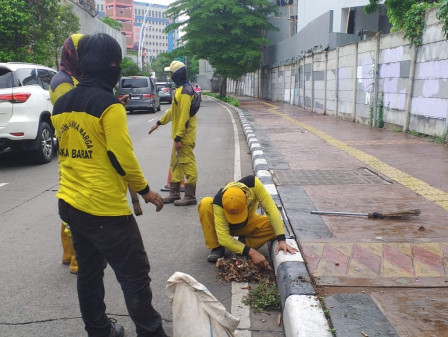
{"x": 243, "y": 270}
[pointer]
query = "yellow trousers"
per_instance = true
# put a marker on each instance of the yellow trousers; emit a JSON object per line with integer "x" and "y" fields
{"x": 183, "y": 164}
{"x": 257, "y": 231}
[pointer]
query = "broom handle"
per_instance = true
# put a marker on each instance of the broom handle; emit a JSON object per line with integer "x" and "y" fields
{"x": 340, "y": 213}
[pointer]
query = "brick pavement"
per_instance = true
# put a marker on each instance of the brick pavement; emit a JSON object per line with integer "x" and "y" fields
{"x": 358, "y": 265}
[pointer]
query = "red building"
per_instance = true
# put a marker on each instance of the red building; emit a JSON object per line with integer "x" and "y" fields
{"x": 123, "y": 11}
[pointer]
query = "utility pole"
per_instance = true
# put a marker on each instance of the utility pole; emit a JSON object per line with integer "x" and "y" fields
{"x": 140, "y": 42}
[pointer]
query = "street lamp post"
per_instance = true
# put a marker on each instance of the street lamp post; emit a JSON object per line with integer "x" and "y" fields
{"x": 140, "y": 43}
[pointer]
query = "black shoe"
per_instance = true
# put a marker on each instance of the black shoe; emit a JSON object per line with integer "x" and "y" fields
{"x": 116, "y": 329}
{"x": 216, "y": 254}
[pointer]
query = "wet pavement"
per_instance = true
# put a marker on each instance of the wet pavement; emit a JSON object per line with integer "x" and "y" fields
{"x": 377, "y": 277}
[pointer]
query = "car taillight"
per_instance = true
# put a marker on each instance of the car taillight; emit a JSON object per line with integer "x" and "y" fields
{"x": 148, "y": 95}
{"x": 15, "y": 98}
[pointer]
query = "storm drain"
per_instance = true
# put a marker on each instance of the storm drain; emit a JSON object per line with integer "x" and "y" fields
{"x": 360, "y": 176}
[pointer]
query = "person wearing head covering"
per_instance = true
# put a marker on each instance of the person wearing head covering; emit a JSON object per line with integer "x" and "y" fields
{"x": 183, "y": 133}
{"x": 65, "y": 80}
{"x": 232, "y": 213}
{"x": 96, "y": 165}
{"x": 69, "y": 71}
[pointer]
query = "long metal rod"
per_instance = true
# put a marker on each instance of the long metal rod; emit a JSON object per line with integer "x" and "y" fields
{"x": 340, "y": 213}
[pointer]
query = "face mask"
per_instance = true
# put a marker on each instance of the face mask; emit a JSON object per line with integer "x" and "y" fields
{"x": 111, "y": 76}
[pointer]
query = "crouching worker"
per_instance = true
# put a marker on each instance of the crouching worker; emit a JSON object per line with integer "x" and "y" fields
{"x": 232, "y": 213}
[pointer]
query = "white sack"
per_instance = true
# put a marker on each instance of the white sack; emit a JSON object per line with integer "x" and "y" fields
{"x": 196, "y": 312}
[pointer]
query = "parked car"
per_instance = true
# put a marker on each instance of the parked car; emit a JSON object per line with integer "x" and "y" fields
{"x": 142, "y": 93}
{"x": 25, "y": 110}
{"x": 166, "y": 92}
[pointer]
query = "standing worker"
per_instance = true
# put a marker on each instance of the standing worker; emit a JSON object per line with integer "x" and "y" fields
{"x": 96, "y": 164}
{"x": 65, "y": 80}
{"x": 232, "y": 213}
{"x": 183, "y": 133}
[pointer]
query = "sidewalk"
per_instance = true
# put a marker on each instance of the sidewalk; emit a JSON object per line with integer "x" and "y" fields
{"x": 370, "y": 277}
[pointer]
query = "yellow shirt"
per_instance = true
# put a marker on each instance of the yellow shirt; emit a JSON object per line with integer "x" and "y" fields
{"x": 96, "y": 158}
{"x": 183, "y": 126}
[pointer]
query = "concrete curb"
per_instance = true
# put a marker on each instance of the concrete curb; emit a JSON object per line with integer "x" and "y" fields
{"x": 303, "y": 315}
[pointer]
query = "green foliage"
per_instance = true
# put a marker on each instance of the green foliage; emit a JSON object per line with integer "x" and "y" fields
{"x": 161, "y": 61}
{"x": 67, "y": 23}
{"x": 227, "y": 33}
{"x": 405, "y": 15}
{"x": 414, "y": 23}
{"x": 231, "y": 100}
{"x": 380, "y": 121}
{"x": 113, "y": 23}
{"x": 164, "y": 59}
{"x": 442, "y": 16}
{"x": 128, "y": 67}
{"x": 33, "y": 30}
{"x": 264, "y": 297}
{"x": 429, "y": 138}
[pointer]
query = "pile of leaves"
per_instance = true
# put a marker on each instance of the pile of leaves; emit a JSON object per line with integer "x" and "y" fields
{"x": 263, "y": 293}
{"x": 243, "y": 270}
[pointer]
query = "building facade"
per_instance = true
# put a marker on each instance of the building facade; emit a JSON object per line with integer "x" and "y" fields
{"x": 143, "y": 25}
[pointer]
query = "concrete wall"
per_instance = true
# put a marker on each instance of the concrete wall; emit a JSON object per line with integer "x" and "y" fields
{"x": 309, "y": 10}
{"x": 287, "y": 28}
{"x": 315, "y": 33}
{"x": 353, "y": 81}
{"x": 91, "y": 25}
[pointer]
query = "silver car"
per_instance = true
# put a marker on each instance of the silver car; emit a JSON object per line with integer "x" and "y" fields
{"x": 142, "y": 93}
{"x": 165, "y": 91}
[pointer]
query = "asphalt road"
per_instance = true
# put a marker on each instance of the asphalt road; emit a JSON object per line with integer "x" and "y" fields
{"x": 38, "y": 294}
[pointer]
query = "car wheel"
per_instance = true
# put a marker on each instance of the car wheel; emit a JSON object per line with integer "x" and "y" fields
{"x": 159, "y": 107}
{"x": 45, "y": 143}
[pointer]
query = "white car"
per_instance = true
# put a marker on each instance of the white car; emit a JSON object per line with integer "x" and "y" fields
{"x": 25, "y": 110}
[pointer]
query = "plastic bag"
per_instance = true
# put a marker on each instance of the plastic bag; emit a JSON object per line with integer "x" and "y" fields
{"x": 196, "y": 312}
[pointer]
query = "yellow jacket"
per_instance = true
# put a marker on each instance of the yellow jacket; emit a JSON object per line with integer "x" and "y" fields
{"x": 256, "y": 194}
{"x": 183, "y": 126}
{"x": 96, "y": 158}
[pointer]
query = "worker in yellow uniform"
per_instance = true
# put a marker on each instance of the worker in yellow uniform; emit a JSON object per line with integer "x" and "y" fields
{"x": 232, "y": 213}
{"x": 65, "y": 80}
{"x": 97, "y": 163}
{"x": 183, "y": 133}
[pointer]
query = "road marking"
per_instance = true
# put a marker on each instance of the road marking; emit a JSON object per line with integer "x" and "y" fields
{"x": 239, "y": 309}
{"x": 239, "y": 290}
{"x": 151, "y": 120}
{"x": 3, "y": 184}
{"x": 237, "y": 162}
{"x": 433, "y": 194}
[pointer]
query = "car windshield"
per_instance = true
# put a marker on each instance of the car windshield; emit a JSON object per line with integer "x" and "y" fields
{"x": 127, "y": 83}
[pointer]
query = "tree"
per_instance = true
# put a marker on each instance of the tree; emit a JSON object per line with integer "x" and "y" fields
{"x": 113, "y": 23}
{"x": 161, "y": 61}
{"x": 66, "y": 23}
{"x": 405, "y": 15}
{"x": 128, "y": 67}
{"x": 227, "y": 33}
{"x": 30, "y": 30}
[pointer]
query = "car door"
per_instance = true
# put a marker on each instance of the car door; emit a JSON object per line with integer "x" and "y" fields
{"x": 44, "y": 79}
